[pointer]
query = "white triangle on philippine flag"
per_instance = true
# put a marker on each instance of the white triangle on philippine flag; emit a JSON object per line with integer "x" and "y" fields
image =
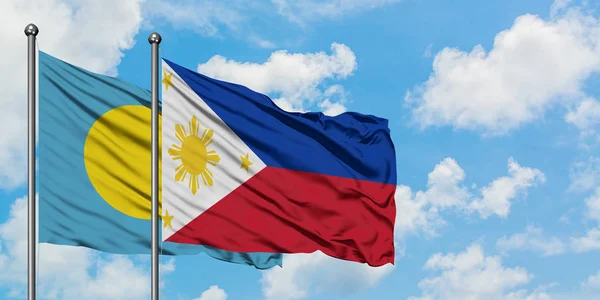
{"x": 203, "y": 160}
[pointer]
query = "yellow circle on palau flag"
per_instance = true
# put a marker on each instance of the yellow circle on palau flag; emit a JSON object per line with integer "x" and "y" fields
{"x": 117, "y": 155}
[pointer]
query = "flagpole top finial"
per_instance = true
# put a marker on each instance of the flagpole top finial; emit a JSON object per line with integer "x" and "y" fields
{"x": 154, "y": 38}
{"x": 31, "y": 29}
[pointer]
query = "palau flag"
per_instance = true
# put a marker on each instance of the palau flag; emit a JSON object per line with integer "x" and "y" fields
{"x": 95, "y": 165}
{"x": 240, "y": 174}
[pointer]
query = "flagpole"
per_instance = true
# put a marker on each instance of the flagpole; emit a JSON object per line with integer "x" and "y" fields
{"x": 31, "y": 32}
{"x": 154, "y": 39}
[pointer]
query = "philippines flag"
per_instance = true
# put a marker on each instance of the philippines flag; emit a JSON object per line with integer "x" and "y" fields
{"x": 240, "y": 174}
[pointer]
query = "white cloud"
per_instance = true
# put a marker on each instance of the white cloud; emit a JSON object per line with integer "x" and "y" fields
{"x": 444, "y": 189}
{"x": 317, "y": 271}
{"x": 212, "y": 18}
{"x": 472, "y": 275}
{"x": 73, "y": 31}
{"x": 427, "y": 52}
{"x": 333, "y": 104}
{"x": 532, "y": 66}
{"x": 415, "y": 214}
{"x": 203, "y": 16}
{"x": 288, "y": 106}
{"x": 585, "y": 175}
{"x": 559, "y": 6}
{"x": 496, "y": 196}
{"x": 331, "y": 109}
{"x": 589, "y": 242}
{"x": 532, "y": 240}
{"x": 82, "y": 271}
{"x": 420, "y": 212}
{"x": 166, "y": 267}
{"x": 310, "y": 10}
{"x": 243, "y": 18}
{"x": 592, "y": 283}
{"x": 213, "y": 293}
{"x": 295, "y": 78}
{"x": 586, "y": 115}
{"x": 589, "y": 290}
{"x": 262, "y": 43}
{"x": 524, "y": 295}
{"x": 593, "y": 205}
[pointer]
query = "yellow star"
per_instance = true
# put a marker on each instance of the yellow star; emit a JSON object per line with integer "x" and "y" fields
{"x": 167, "y": 80}
{"x": 245, "y": 162}
{"x": 167, "y": 219}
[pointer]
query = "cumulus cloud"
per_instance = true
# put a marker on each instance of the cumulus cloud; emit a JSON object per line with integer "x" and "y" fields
{"x": 294, "y": 80}
{"x": 496, "y": 196}
{"x": 73, "y": 31}
{"x": 335, "y": 99}
{"x": 415, "y": 214}
{"x": 82, "y": 271}
{"x": 532, "y": 239}
{"x": 420, "y": 211}
{"x": 213, "y": 293}
{"x": 317, "y": 271}
{"x": 532, "y": 66}
{"x": 472, "y": 275}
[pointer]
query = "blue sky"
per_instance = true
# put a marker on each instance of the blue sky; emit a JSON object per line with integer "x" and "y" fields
{"x": 493, "y": 109}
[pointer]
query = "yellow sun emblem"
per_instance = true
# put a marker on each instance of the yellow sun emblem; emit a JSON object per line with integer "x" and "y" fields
{"x": 194, "y": 155}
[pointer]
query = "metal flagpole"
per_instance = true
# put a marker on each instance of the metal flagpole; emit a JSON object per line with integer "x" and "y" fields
{"x": 154, "y": 40}
{"x": 31, "y": 32}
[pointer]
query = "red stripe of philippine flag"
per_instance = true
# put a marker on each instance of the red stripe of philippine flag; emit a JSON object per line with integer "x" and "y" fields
{"x": 240, "y": 174}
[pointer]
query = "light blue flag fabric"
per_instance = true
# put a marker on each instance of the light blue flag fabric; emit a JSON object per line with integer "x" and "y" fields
{"x": 94, "y": 166}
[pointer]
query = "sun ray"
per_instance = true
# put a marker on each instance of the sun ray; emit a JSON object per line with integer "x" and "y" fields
{"x": 194, "y": 127}
{"x": 175, "y": 152}
{"x": 180, "y": 133}
{"x": 207, "y": 137}
{"x": 194, "y": 184}
{"x": 194, "y": 155}
{"x": 203, "y": 179}
{"x": 208, "y": 175}
{"x": 212, "y": 157}
{"x": 181, "y": 173}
